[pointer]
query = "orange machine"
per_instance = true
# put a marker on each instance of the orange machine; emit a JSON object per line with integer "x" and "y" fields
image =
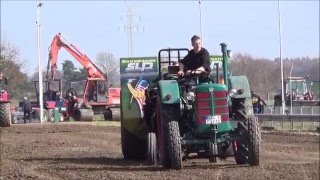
{"x": 96, "y": 97}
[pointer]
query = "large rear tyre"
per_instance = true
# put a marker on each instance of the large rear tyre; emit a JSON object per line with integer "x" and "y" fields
{"x": 5, "y": 115}
{"x": 247, "y": 149}
{"x": 83, "y": 115}
{"x": 132, "y": 147}
{"x": 163, "y": 133}
{"x": 152, "y": 149}
{"x": 244, "y": 147}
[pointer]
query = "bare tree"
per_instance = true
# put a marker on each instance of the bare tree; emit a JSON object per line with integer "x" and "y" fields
{"x": 108, "y": 65}
{"x": 11, "y": 53}
{"x": 11, "y": 65}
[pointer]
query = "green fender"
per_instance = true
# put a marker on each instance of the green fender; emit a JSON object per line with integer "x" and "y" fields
{"x": 240, "y": 82}
{"x": 169, "y": 91}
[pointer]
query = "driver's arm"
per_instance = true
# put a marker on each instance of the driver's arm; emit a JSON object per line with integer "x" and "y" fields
{"x": 181, "y": 66}
{"x": 199, "y": 70}
{"x": 205, "y": 62}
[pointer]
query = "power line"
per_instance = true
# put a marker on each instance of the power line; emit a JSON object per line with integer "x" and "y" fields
{"x": 131, "y": 27}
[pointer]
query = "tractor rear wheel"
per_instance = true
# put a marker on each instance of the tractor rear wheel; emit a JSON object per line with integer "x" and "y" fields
{"x": 5, "y": 115}
{"x": 133, "y": 148}
{"x": 163, "y": 141}
{"x": 247, "y": 149}
{"x": 152, "y": 148}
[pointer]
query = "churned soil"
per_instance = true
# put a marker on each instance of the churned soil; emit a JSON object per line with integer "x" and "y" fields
{"x": 78, "y": 150}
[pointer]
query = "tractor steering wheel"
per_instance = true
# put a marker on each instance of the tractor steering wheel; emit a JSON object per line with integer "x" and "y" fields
{"x": 196, "y": 74}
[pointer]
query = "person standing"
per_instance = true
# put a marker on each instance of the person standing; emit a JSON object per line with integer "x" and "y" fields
{"x": 27, "y": 108}
{"x": 257, "y": 103}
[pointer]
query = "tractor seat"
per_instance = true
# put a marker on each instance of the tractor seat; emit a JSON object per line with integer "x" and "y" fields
{"x": 173, "y": 69}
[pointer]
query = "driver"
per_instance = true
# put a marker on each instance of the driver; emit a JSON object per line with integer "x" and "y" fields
{"x": 197, "y": 59}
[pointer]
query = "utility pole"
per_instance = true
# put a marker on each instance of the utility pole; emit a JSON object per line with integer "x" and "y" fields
{"x": 200, "y": 15}
{"x": 281, "y": 61}
{"x": 131, "y": 27}
{"x": 39, "y": 4}
{"x": 290, "y": 81}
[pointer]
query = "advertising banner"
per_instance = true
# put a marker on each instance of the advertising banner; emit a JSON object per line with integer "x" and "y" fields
{"x": 136, "y": 75}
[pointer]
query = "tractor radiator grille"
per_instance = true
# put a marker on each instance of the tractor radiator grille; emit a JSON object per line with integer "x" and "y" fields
{"x": 218, "y": 103}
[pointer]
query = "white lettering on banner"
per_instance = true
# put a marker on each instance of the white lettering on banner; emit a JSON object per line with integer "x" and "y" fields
{"x": 139, "y": 66}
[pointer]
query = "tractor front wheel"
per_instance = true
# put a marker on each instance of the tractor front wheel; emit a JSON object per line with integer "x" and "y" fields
{"x": 170, "y": 146}
{"x": 175, "y": 145}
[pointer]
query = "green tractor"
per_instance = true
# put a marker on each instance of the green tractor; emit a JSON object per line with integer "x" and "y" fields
{"x": 298, "y": 92}
{"x": 194, "y": 114}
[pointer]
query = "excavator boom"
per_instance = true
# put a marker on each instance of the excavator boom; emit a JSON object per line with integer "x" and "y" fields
{"x": 95, "y": 93}
{"x": 58, "y": 42}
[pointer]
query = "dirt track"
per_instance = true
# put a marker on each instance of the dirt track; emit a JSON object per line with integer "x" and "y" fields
{"x": 84, "y": 151}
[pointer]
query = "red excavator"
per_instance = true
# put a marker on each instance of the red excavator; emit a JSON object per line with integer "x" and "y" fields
{"x": 96, "y": 98}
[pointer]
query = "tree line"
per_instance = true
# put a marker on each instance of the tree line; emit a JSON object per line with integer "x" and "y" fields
{"x": 263, "y": 74}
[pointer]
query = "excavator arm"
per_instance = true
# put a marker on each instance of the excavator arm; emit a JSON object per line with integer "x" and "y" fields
{"x": 58, "y": 42}
{"x": 95, "y": 94}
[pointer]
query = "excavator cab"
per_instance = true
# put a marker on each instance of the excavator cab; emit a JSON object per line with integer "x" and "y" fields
{"x": 50, "y": 92}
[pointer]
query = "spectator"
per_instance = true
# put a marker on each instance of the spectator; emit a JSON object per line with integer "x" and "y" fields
{"x": 27, "y": 108}
{"x": 258, "y": 103}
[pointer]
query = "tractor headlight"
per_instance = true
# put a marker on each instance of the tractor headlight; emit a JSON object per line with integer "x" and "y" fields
{"x": 232, "y": 92}
{"x": 190, "y": 96}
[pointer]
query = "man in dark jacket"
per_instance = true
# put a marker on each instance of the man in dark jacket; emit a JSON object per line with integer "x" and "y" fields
{"x": 196, "y": 60}
{"x": 258, "y": 103}
{"x": 27, "y": 108}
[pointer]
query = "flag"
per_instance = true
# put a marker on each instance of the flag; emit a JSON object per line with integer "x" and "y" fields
{"x": 138, "y": 93}
{"x": 141, "y": 86}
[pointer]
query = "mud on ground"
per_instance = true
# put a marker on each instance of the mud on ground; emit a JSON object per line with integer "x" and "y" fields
{"x": 79, "y": 150}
